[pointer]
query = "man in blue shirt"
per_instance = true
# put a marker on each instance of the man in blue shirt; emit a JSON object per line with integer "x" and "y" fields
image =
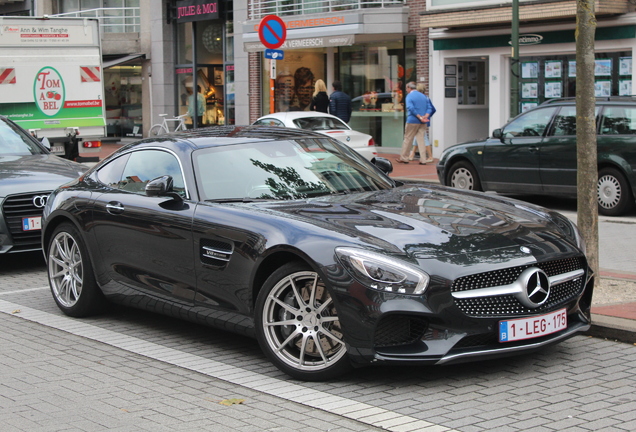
{"x": 340, "y": 103}
{"x": 418, "y": 112}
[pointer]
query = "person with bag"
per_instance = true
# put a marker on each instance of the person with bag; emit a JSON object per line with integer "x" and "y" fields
{"x": 320, "y": 101}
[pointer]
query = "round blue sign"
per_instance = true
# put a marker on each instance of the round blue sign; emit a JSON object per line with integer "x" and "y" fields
{"x": 272, "y": 31}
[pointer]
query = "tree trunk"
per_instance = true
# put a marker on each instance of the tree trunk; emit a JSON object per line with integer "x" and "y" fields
{"x": 587, "y": 171}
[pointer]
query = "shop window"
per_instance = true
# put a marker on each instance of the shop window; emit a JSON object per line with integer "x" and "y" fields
{"x": 544, "y": 78}
{"x": 471, "y": 83}
{"x": 122, "y": 85}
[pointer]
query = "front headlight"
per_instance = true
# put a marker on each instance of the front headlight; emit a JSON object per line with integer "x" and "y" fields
{"x": 382, "y": 272}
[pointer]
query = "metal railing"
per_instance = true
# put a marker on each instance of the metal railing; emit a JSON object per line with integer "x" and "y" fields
{"x": 259, "y": 9}
{"x": 111, "y": 20}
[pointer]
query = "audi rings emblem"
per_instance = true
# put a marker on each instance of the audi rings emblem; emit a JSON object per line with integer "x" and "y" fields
{"x": 536, "y": 287}
{"x": 40, "y": 200}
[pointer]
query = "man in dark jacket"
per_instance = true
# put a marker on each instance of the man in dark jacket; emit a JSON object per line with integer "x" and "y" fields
{"x": 340, "y": 103}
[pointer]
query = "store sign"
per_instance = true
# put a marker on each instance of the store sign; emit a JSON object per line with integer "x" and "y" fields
{"x": 197, "y": 10}
{"x": 529, "y": 39}
{"x": 315, "y": 42}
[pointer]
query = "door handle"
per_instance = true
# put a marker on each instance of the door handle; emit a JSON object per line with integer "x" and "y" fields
{"x": 115, "y": 207}
{"x": 533, "y": 149}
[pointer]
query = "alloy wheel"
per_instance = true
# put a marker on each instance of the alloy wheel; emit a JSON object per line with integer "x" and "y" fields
{"x": 301, "y": 325}
{"x": 65, "y": 269}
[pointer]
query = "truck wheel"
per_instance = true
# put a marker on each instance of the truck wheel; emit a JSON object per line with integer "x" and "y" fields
{"x": 614, "y": 194}
{"x": 297, "y": 325}
{"x": 463, "y": 175}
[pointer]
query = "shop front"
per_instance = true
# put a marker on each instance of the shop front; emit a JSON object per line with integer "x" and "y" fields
{"x": 367, "y": 52}
{"x": 204, "y": 68}
{"x": 471, "y": 74}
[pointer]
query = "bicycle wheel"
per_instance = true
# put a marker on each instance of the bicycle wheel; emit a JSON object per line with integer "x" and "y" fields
{"x": 157, "y": 130}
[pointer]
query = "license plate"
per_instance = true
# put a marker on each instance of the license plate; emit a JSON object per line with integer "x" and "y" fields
{"x": 533, "y": 327}
{"x": 57, "y": 149}
{"x": 32, "y": 223}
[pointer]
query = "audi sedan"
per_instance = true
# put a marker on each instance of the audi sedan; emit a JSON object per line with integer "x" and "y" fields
{"x": 28, "y": 174}
{"x": 327, "y": 124}
{"x": 292, "y": 238}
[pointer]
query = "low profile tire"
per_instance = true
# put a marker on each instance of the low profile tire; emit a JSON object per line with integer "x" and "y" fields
{"x": 613, "y": 191}
{"x": 297, "y": 325}
{"x": 463, "y": 175}
{"x": 156, "y": 130}
{"x": 71, "y": 275}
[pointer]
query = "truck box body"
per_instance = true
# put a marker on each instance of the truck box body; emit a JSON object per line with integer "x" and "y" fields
{"x": 51, "y": 79}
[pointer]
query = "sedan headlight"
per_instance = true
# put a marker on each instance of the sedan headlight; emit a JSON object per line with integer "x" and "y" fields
{"x": 382, "y": 272}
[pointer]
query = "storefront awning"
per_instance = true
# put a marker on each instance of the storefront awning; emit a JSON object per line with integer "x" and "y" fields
{"x": 110, "y": 61}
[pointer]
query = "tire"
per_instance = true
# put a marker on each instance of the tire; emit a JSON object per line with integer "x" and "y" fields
{"x": 289, "y": 323}
{"x": 614, "y": 194}
{"x": 71, "y": 275}
{"x": 463, "y": 175}
{"x": 156, "y": 130}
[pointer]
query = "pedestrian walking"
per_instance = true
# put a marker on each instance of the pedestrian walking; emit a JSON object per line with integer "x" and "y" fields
{"x": 418, "y": 112}
{"x": 421, "y": 87}
{"x": 200, "y": 100}
{"x": 340, "y": 103}
{"x": 320, "y": 101}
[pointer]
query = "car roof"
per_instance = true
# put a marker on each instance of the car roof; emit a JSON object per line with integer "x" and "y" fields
{"x": 230, "y": 135}
{"x": 599, "y": 100}
{"x": 291, "y": 115}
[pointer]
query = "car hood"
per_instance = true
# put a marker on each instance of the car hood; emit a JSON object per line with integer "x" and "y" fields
{"x": 430, "y": 221}
{"x": 33, "y": 173}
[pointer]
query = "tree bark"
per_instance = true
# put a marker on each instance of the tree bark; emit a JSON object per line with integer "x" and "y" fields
{"x": 587, "y": 170}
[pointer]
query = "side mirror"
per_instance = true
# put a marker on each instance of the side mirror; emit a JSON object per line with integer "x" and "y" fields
{"x": 162, "y": 186}
{"x": 383, "y": 164}
{"x": 497, "y": 133}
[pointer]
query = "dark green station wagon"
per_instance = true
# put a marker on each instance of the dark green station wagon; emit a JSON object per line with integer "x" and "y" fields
{"x": 535, "y": 153}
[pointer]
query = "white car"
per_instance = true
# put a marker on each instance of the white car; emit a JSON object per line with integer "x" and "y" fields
{"x": 327, "y": 124}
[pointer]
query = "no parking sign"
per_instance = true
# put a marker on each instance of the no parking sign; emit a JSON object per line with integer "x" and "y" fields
{"x": 272, "y": 31}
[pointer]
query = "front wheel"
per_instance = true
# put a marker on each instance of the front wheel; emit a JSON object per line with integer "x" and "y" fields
{"x": 463, "y": 175}
{"x": 613, "y": 191}
{"x": 70, "y": 274}
{"x": 156, "y": 130}
{"x": 297, "y": 325}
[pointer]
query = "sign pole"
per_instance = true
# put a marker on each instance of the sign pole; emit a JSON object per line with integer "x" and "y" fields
{"x": 272, "y": 85}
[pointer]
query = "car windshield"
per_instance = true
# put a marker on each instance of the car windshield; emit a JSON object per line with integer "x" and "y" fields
{"x": 320, "y": 123}
{"x": 280, "y": 170}
{"x": 15, "y": 142}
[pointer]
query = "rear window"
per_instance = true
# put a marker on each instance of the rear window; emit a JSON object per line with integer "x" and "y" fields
{"x": 618, "y": 120}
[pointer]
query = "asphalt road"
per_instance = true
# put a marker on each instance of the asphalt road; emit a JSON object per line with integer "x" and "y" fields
{"x": 130, "y": 370}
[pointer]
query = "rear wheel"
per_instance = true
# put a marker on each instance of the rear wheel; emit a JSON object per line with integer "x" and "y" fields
{"x": 71, "y": 275}
{"x": 298, "y": 327}
{"x": 613, "y": 191}
{"x": 463, "y": 175}
{"x": 156, "y": 130}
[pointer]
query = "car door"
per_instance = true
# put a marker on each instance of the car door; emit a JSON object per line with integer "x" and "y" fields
{"x": 512, "y": 163}
{"x": 145, "y": 242}
{"x": 558, "y": 154}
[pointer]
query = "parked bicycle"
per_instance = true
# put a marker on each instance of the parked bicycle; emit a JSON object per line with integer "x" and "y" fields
{"x": 164, "y": 126}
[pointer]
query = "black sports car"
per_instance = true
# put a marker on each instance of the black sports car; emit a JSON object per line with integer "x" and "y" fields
{"x": 28, "y": 174}
{"x": 291, "y": 237}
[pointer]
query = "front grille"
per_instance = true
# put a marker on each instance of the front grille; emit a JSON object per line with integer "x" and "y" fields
{"x": 395, "y": 330}
{"x": 15, "y": 208}
{"x": 508, "y": 305}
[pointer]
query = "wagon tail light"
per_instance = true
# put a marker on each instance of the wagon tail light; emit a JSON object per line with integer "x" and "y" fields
{"x": 371, "y": 142}
{"x": 92, "y": 144}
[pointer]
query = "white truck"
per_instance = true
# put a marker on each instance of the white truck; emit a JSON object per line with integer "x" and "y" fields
{"x": 51, "y": 81}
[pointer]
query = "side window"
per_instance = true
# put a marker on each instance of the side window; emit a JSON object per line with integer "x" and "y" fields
{"x": 618, "y": 120}
{"x": 564, "y": 122}
{"x": 110, "y": 174}
{"x": 146, "y": 165}
{"x": 532, "y": 123}
{"x": 269, "y": 122}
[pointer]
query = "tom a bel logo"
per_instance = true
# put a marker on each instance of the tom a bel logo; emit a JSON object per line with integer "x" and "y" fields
{"x": 48, "y": 89}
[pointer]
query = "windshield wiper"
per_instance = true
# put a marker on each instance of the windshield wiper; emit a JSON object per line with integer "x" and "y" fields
{"x": 240, "y": 200}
